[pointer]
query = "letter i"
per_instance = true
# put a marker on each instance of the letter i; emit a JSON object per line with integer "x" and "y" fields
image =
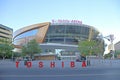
{"x": 62, "y": 64}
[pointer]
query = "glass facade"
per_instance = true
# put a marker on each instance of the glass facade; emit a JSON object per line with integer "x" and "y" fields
{"x": 26, "y": 34}
{"x": 66, "y": 34}
{"x": 25, "y": 37}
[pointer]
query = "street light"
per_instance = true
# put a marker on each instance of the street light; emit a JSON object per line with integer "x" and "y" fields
{"x": 110, "y": 38}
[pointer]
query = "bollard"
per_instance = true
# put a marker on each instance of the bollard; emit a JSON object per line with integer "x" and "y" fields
{"x": 25, "y": 62}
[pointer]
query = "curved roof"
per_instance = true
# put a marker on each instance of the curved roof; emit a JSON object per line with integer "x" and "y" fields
{"x": 34, "y": 26}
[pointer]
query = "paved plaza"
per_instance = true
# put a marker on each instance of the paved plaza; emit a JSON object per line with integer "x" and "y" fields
{"x": 61, "y": 70}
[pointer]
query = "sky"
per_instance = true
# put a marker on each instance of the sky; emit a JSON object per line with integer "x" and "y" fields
{"x": 102, "y": 14}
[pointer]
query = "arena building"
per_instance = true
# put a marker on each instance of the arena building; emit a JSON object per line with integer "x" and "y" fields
{"x": 59, "y": 37}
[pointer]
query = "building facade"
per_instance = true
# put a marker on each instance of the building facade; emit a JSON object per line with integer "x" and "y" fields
{"x": 117, "y": 46}
{"x": 59, "y": 37}
{"x": 117, "y": 49}
{"x": 6, "y": 32}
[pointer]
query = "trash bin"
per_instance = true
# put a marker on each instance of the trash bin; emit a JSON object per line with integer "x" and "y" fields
{"x": 25, "y": 62}
{"x": 88, "y": 62}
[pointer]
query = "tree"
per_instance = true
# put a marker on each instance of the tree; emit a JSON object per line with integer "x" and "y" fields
{"x": 6, "y": 48}
{"x": 99, "y": 47}
{"x": 86, "y": 47}
{"x": 31, "y": 48}
{"x": 108, "y": 56}
{"x": 117, "y": 53}
{"x": 92, "y": 47}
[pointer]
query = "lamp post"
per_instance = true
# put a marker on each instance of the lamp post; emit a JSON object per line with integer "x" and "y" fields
{"x": 111, "y": 49}
{"x": 110, "y": 38}
{"x": 13, "y": 54}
